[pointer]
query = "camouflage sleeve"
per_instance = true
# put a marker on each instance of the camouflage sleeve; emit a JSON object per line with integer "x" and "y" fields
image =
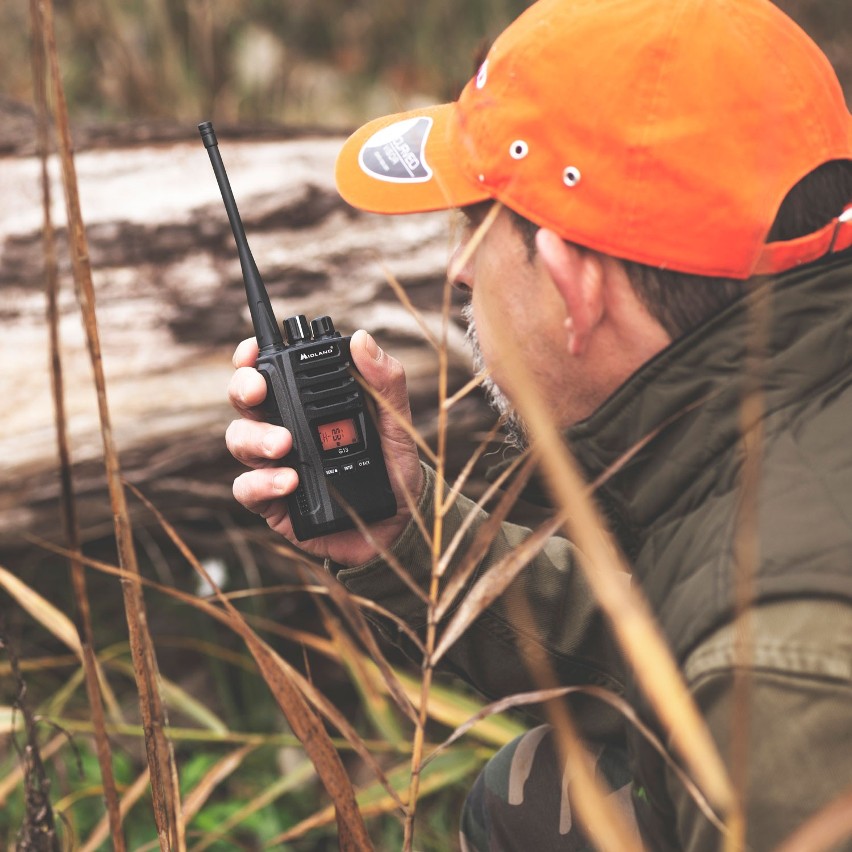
{"x": 548, "y": 609}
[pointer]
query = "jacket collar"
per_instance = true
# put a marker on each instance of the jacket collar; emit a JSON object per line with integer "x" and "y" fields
{"x": 685, "y": 403}
{"x": 688, "y": 398}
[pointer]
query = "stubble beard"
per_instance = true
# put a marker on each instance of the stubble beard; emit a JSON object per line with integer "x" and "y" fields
{"x": 513, "y": 427}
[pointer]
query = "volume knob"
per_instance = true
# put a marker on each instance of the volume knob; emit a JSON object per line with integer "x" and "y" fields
{"x": 322, "y": 327}
{"x": 296, "y": 329}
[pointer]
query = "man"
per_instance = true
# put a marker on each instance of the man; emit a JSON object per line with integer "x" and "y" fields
{"x": 667, "y": 170}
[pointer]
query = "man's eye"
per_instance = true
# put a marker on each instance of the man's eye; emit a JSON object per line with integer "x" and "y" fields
{"x": 473, "y": 215}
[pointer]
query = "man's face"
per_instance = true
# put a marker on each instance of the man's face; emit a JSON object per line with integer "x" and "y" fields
{"x": 512, "y": 297}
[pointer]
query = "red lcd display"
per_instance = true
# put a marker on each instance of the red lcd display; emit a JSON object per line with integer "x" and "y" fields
{"x": 341, "y": 433}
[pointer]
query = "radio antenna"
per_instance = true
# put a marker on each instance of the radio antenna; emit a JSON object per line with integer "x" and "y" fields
{"x": 262, "y": 318}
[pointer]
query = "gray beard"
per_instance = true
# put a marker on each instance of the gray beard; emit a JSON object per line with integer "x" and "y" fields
{"x": 513, "y": 427}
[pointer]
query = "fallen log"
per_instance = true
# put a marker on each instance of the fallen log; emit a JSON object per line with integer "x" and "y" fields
{"x": 171, "y": 308}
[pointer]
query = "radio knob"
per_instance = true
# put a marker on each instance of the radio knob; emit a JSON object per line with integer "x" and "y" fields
{"x": 322, "y": 327}
{"x": 296, "y": 329}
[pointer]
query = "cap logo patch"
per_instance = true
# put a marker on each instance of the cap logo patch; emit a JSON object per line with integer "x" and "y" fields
{"x": 396, "y": 153}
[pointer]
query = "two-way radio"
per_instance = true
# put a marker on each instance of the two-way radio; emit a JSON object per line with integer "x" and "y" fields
{"x": 312, "y": 391}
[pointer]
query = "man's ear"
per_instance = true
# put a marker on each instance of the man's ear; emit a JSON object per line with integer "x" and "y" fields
{"x": 578, "y": 276}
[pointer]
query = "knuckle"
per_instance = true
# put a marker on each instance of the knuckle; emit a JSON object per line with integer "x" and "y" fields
{"x": 231, "y": 435}
{"x": 397, "y": 371}
{"x": 238, "y": 439}
{"x": 242, "y": 380}
{"x": 242, "y": 489}
{"x": 245, "y": 353}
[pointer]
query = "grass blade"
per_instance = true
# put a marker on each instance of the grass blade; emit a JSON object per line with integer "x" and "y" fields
{"x": 825, "y": 829}
{"x": 222, "y": 769}
{"x": 56, "y": 622}
{"x": 131, "y": 796}
{"x": 303, "y": 721}
{"x": 166, "y": 798}
{"x": 292, "y": 780}
{"x": 448, "y": 769}
{"x": 95, "y": 682}
{"x": 492, "y": 584}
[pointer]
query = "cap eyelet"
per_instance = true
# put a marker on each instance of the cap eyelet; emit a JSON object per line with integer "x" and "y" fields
{"x": 519, "y": 149}
{"x": 482, "y": 75}
{"x": 571, "y": 176}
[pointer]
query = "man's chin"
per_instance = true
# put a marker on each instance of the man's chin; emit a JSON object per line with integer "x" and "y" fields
{"x": 515, "y": 433}
{"x": 513, "y": 427}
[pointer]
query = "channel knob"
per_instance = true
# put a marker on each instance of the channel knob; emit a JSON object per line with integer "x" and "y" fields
{"x": 296, "y": 329}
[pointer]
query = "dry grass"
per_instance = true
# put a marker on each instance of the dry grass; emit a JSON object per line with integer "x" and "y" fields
{"x": 400, "y": 768}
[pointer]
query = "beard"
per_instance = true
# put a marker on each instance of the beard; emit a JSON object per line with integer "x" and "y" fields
{"x": 513, "y": 427}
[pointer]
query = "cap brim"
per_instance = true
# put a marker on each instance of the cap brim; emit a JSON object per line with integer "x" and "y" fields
{"x": 406, "y": 163}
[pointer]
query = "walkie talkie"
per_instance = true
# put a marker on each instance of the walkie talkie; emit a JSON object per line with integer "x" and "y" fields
{"x": 312, "y": 391}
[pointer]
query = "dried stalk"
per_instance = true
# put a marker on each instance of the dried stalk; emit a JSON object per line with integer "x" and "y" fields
{"x": 160, "y": 757}
{"x": 747, "y": 552}
{"x": 291, "y": 692}
{"x": 38, "y": 831}
{"x": 633, "y": 625}
{"x": 825, "y": 829}
{"x": 541, "y": 696}
{"x": 434, "y": 590}
{"x": 67, "y": 503}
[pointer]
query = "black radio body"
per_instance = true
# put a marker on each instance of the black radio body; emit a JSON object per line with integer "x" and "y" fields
{"x": 313, "y": 392}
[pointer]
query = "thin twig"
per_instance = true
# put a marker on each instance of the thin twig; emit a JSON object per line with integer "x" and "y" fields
{"x": 38, "y": 831}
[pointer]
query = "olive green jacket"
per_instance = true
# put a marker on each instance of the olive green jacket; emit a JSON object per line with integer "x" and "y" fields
{"x": 676, "y": 510}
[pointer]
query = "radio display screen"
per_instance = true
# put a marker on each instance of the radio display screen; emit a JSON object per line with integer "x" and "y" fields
{"x": 340, "y": 433}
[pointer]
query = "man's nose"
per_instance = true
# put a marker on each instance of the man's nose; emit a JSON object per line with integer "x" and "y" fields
{"x": 460, "y": 267}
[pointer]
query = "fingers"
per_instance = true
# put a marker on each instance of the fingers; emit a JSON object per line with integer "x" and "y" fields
{"x": 257, "y": 444}
{"x": 260, "y": 445}
{"x": 245, "y": 354}
{"x": 247, "y": 390}
{"x": 261, "y": 491}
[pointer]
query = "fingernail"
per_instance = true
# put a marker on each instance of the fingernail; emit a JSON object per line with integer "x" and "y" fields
{"x": 281, "y": 482}
{"x": 373, "y": 348}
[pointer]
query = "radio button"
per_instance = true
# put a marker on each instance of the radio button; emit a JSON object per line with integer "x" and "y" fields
{"x": 296, "y": 329}
{"x": 332, "y": 471}
{"x": 364, "y": 463}
{"x": 347, "y": 467}
{"x": 322, "y": 327}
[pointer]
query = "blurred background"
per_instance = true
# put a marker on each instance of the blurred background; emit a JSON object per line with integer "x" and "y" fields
{"x": 315, "y": 62}
{"x": 283, "y": 81}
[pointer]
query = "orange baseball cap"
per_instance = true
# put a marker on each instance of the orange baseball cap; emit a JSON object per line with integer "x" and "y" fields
{"x": 661, "y": 131}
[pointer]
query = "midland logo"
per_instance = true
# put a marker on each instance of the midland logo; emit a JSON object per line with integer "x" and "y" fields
{"x": 317, "y": 353}
{"x": 396, "y": 153}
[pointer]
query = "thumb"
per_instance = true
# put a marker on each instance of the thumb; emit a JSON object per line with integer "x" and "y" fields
{"x": 384, "y": 374}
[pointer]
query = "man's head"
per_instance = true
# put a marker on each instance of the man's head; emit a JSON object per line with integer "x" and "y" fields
{"x": 559, "y": 317}
{"x": 662, "y": 133}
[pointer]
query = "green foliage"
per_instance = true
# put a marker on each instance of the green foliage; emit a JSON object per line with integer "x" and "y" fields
{"x": 274, "y": 787}
{"x": 324, "y": 61}
{"x": 328, "y": 62}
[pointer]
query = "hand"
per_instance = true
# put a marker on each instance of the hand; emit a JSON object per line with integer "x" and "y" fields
{"x": 259, "y": 445}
